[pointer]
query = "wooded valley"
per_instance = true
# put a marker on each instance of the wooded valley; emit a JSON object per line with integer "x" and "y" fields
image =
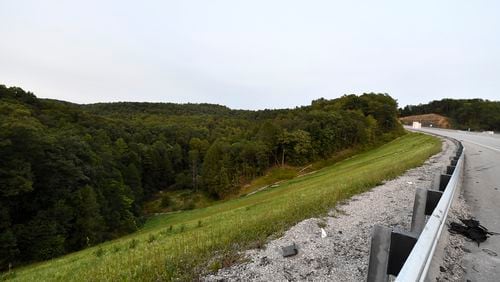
{"x": 72, "y": 176}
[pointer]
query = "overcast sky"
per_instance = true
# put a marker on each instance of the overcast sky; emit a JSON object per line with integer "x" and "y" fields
{"x": 250, "y": 54}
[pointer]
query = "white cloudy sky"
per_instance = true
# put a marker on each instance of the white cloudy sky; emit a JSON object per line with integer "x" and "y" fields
{"x": 250, "y": 54}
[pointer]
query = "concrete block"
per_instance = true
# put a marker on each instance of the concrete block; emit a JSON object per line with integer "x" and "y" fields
{"x": 289, "y": 251}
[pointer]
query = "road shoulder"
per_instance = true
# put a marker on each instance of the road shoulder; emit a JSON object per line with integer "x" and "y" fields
{"x": 343, "y": 254}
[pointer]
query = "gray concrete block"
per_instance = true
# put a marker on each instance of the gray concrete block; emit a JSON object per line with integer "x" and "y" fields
{"x": 289, "y": 251}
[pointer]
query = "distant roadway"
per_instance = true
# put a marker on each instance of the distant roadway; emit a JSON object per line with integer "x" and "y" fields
{"x": 481, "y": 186}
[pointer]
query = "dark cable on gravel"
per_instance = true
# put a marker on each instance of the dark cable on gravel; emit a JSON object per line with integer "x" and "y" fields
{"x": 471, "y": 229}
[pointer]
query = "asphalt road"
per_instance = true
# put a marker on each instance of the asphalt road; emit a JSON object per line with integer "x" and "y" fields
{"x": 481, "y": 185}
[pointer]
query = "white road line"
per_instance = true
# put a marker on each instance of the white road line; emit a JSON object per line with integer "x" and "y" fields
{"x": 485, "y": 146}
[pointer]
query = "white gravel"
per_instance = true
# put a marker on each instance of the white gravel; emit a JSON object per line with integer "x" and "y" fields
{"x": 343, "y": 254}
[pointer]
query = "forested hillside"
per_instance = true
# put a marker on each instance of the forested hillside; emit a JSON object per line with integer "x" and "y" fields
{"x": 72, "y": 176}
{"x": 476, "y": 114}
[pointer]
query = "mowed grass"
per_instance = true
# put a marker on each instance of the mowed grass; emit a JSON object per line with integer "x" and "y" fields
{"x": 179, "y": 246}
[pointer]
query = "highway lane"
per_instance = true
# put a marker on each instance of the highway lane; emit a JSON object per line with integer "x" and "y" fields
{"x": 481, "y": 186}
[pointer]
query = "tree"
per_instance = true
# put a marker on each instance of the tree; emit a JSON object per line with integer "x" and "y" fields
{"x": 215, "y": 171}
{"x": 269, "y": 135}
{"x": 296, "y": 145}
{"x": 9, "y": 251}
{"x": 75, "y": 175}
{"x": 89, "y": 223}
{"x": 197, "y": 149}
{"x": 132, "y": 179}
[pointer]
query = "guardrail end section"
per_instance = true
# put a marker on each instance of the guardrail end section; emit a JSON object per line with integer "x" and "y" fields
{"x": 379, "y": 254}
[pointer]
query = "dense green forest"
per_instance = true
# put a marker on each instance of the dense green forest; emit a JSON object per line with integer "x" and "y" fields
{"x": 476, "y": 114}
{"x": 72, "y": 175}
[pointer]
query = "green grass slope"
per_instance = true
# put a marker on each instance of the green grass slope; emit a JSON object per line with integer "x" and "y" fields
{"x": 180, "y": 245}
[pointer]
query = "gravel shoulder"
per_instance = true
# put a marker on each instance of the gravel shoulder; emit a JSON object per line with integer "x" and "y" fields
{"x": 452, "y": 246}
{"x": 343, "y": 254}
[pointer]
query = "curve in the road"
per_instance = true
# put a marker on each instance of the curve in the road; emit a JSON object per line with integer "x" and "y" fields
{"x": 481, "y": 185}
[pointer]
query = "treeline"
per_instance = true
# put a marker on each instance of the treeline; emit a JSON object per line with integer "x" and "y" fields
{"x": 72, "y": 176}
{"x": 476, "y": 114}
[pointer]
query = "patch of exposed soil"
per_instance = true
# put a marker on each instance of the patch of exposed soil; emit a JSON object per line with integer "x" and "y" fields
{"x": 428, "y": 120}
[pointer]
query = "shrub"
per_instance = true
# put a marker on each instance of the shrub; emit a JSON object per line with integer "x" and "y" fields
{"x": 99, "y": 252}
{"x": 133, "y": 244}
{"x": 166, "y": 201}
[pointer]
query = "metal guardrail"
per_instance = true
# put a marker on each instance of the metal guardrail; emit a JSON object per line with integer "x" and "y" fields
{"x": 408, "y": 255}
{"x": 417, "y": 265}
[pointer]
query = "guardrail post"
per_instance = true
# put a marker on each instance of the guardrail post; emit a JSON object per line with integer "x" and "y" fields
{"x": 379, "y": 254}
{"x": 418, "y": 216}
{"x": 402, "y": 243}
{"x": 435, "y": 181}
{"x": 424, "y": 204}
{"x": 388, "y": 252}
{"x": 450, "y": 169}
{"x": 443, "y": 180}
{"x": 431, "y": 201}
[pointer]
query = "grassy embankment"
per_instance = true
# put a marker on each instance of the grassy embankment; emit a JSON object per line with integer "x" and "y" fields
{"x": 278, "y": 174}
{"x": 178, "y": 245}
{"x": 177, "y": 200}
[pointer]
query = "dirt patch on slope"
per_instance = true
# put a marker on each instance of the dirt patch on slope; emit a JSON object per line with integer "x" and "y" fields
{"x": 427, "y": 120}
